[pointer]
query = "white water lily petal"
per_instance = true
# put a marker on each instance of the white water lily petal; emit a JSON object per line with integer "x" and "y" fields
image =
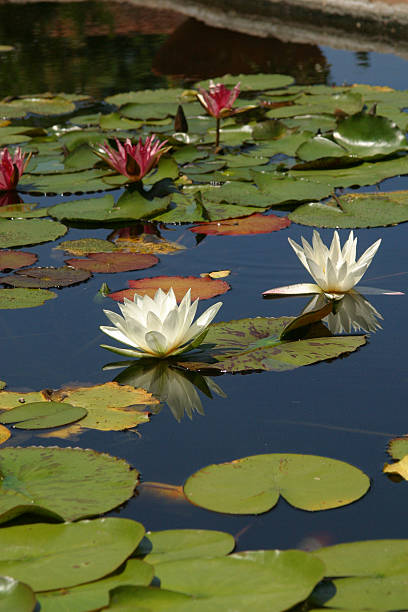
{"x": 298, "y": 289}
{"x": 158, "y": 327}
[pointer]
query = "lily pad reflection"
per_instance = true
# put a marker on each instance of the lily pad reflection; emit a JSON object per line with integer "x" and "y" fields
{"x": 176, "y": 387}
{"x": 352, "y": 313}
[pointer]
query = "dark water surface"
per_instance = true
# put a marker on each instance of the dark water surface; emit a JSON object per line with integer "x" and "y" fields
{"x": 347, "y": 409}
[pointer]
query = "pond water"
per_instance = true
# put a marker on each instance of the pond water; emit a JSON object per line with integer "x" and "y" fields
{"x": 348, "y": 408}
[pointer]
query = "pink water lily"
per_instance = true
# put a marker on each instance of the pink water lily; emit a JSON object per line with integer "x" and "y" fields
{"x": 11, "y": 168}
{"x": 218, "y": 101}
{"x": 134, "y": 161}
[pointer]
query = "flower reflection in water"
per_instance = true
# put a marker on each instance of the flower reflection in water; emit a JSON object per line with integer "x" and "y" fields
{"x": 176, "y": 387}
{"x": 352, "y": 313}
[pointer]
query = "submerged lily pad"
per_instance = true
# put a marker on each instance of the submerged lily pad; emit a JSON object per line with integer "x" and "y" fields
{"x": 59, "y": 556}
{"x": 65, "y": 483}
{"x": 46, "y": 277}
{"x": 355, "y": 210}
{"x": 255, "y": 224}
{"x": 203, "y": 288}
{"x": 108, "y": 263}
{"x": 19, "y": 232}
{"x": 41, "y": 415}
{"x": 252, "y": 485}
{"x": 11, "y": 260}
{"x": 24, "y": 298}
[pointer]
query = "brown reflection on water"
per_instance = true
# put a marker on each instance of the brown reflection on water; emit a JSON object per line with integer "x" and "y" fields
{"x": 196, "y": 51}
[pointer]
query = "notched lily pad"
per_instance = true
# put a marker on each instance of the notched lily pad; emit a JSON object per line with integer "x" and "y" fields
{"x": 46, "y": 277}
{"x": 203, "y": 288}
{"x": 24, "y": 298}
{"x": 252, "y": 485}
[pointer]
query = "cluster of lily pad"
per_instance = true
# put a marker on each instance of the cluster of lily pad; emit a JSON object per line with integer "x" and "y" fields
{"x": 279, "y": 146}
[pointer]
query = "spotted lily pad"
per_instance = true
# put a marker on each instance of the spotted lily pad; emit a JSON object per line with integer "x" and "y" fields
{"x": 60, "y": 556}
{"x": 203, "y": 288}
{"x": 11, "y": 260}
{"x": 46, "y": 277}
{"x": 24, "y": 298}
{"x": 255, "y": 224}
{"x": 64, "y": 483}
{"x": 40, "y": 415}
{"x": 252, "y": 485}
{"x": 84, "y": 246}
{"x": 19, "y": 232}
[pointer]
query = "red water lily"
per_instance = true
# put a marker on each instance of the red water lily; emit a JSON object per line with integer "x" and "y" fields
{"x": 134, "y": 161}
{"x": 218, "y": 101}
{"x": 11, "y": 168}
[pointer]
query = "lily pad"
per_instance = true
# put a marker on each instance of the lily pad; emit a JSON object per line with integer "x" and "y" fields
{"x": 255, "y": 224}
{"x": 252, "y": 81}
{"x": 24, "y": 298}
{"x": 95, "y": 595}
{"x": 256, "y": 580}
{"x": 64, "y": 182}
{"x": 203, "y": 288}
{"x": 84, "y": 246}
{"x": 19, "y": 232}
{"x": 16, "y": 596}
{"x": 252, "y": 485}
{"x": 286, "y": 190}
{"x": 65, "y": 483}
{"x": 355, "y": 210}
{"x": 44, "y": 278}
{"x": 176, "y": 544}
{"x": 135, "y": 599}
{"x": 41, "y": 415}
{"x": 4, "y": 435}
{"x": 50, "y": 556}
{"x": 11, "y": 260}
{"x": 108, "y": 263}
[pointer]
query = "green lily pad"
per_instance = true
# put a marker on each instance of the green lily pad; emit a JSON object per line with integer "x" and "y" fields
{"x": 131, "y": 206}
{"x": 398, "y": 448}
{"x": 23, "y": 211}
{"x": 84, "y": 246}
{"x": 318, "y": 147}
{"x": 176, "y": 544}
{"x": 189, "y": 153}
{"x": 50, "y": 556}
{"x": 44, "y": 278}
{"x": 257, "y": 580}
{"x": 115, "y": 121}
{"x": 67, "y": 182}
{"x": 80, "y": 158}
{"x": 369, "y": 136}
{"x": 252, "y": 81}
{"x": 147, "y": 599}
{"x": 16, "y": 596}
{"x": 12, "y": 260}
{"x": 20, "y": 107}
{"x": 68, "y": 483}
{"x": 41, "y": 415}
{"x": 243, "y": 194}
{"x": 355, "y": 210}
{"x": 254, "y": 344}
{"x": 285, "y": 189}
{"x": 95, "y": 595}
{"x": 148, "y": 110}
{"x": 252, "y": 485}
{"x": 19, "y": 232}
{"x": 24, "y": 298}
{"x": 348, "y": 101}
{"x": 146, "y": 96}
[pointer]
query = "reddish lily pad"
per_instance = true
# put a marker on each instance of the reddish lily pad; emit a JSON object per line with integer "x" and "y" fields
{"x": 11, "y": 260}
{"x": 254, "y": 224}
{"x": 46, "y": 277}
{"x": 203, "y": 288}
{"x": 113, "y": 262}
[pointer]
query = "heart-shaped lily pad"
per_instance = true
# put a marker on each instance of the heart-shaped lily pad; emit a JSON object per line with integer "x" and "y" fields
{"x": 252, "y": 485}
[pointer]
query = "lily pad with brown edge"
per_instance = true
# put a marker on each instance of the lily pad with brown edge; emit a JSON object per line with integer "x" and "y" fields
{"x": 20, "y": 232}
{"x": 355, "y": 210}
{"x": 12, "y": 260}
{"x": 176, "y": 544}
{"x": 58, "y": 556}
{"x": 84, "y": 246}
{"x": 369, "y": 136}
{"x": 23, "y": 210}
{"x": 110, "y": 406}
{"x": 252, "y": 485}
{"x": 24, "y": 298}
{"x": 375, "y": 576}
{"x": 131, "y": 206}
{"x": 4, "y": 436}
{"x": 95, "y": 595}
{"x": 261, "y": 580}
{"x": 62, "y": 483}
{"x": 202, "y": 288}
{"x": 255, "y": 224}
{"x": 42, "y": 415}
{"x": 255, "y": 344}
{"x": 11, "y": 399}
{"x": 109, "y": 263}
{"x": 125, "y": 240}
{"x": 14, "y": 595}
{"x": 44, "y": 278}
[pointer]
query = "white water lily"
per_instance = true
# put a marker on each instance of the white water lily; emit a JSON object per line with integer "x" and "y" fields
{"x": 158, "y": 327}
{"x": 335, "y": 269}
